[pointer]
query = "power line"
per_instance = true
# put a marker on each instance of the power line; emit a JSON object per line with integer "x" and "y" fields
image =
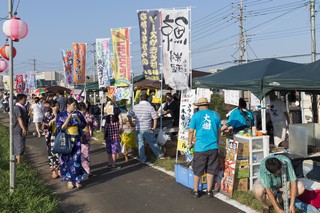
{"x": 207, "y": 16}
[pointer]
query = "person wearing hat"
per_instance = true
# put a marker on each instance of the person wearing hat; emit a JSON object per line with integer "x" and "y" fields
{"x": 207, "y": 125}
{"x": 240, "y": 118}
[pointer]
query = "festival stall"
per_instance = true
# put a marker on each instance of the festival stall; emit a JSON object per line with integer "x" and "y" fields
{"x": 303, "y": 138}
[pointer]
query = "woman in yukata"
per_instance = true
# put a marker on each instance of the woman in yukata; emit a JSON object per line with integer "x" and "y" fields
{"x": 72, "y": 122}
{"x": 87, "y": 133}
{"x": 50, "y": 133}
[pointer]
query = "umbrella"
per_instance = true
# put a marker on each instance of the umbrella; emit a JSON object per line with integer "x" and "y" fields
{"x": 40, "y": 91}
{"x": 56, "y": 89}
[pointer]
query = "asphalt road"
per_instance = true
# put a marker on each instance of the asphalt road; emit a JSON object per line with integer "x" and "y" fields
{"x": 133, "y": 188}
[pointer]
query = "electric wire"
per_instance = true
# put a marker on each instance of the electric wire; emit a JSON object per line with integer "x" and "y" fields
{"x": 209, "y": 15}
{"x": 254, "y": 27}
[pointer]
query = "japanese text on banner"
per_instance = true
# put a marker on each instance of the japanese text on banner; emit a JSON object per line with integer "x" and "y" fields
{"x": 176, "y": 48}
{"x": 103, "y": 61}
{"x": 186, "y": 112}
{"x": 149, "y": 23}
{"x": 79, "y": 62}
{"x": 30, "y": 82}
{"x": 121, "y": 51}
{"x": 67, "y": 58}
{"x": 19, "y": 83}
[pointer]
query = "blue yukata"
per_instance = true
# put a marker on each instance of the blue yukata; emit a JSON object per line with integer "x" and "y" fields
{"x": 70, "y": 164}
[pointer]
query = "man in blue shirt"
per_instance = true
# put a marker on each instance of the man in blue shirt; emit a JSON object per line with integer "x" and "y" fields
{"x": 207, "y": 125}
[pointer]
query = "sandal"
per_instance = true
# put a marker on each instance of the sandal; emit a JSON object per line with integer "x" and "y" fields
{"x": 54, "y": 175}
{"x": 78, "y": 185}
{"x": 70, "y": 185}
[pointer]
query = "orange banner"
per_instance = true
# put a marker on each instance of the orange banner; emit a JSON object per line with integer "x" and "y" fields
{"x": 79, "y": 62}
{"x": 121, "y": 51}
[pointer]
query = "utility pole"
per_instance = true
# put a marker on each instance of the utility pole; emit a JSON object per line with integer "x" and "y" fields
{"x": 34, "y": 64}
{"x": 313, "y": 31}
{"x": 313, "y": 59}
{"x": 241, "y": 37}
{"x": 34, "y": 69}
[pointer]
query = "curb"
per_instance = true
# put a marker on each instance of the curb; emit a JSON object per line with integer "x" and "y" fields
{"x": 218, "y": 195}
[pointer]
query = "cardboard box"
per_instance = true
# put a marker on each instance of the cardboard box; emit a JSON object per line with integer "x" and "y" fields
{"x": 242, "y": 172}
{"x": 243, "y": 149}
{"x": 242, "y": 162}
{"x": 241, "y": 184}
{"x": 184, "y": 175}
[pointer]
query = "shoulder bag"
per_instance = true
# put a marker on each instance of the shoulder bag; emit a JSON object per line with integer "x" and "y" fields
{"x": 62, "y": 144}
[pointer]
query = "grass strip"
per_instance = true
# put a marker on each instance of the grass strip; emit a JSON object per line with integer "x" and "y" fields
{"x": 31, "y": 193}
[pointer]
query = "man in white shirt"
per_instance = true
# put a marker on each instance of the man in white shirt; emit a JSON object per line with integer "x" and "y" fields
{"x": 279, "y": 117}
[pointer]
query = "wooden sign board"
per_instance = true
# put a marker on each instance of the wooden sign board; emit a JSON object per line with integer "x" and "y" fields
{"x": 227, "y": 181}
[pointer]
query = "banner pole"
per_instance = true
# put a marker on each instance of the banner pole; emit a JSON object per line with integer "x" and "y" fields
{"x": 161, "y": 73}
{"x": 190, "y": 58}
{"x": 12, "y": 156}
{"x": 131, "y": 70}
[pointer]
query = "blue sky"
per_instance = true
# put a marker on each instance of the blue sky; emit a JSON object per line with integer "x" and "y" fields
{"x": 274, "y": 28}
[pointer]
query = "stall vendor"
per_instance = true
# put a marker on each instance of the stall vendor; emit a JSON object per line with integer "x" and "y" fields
{"x": 269, "y": 183}
{"x": 171, "y": 109}
{"x": 240, "y": 118}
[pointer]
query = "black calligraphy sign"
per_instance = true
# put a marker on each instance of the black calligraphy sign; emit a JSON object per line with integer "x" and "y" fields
{"x": 149, "y": 23}
{"x": 176, "y": 47}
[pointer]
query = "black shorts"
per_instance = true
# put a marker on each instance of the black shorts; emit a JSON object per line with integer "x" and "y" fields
{"x": 205, "y": 161}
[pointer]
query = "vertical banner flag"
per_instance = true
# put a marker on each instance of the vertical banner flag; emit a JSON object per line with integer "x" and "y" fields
{"x": 19, "y": 83}
{"x": 103, "y": 61}
{"x": 121, "y": 51}
{"x": 79, "y": 62}
{"x": 30, "y": 79}
{"x": 6, "y": 82}
{"x": 149, "y": 23}
{"x": 186, "y": 112}
{"x": 67, "y": 58}
{"x": 176, "y": 48}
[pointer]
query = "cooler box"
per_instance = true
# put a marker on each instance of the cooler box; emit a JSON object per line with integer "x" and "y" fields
{"x": 184, "y": 175}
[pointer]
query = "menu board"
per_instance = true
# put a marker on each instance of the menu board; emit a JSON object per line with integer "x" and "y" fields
{"x": 227, "y": 180}
{"x": 186, "y": 112}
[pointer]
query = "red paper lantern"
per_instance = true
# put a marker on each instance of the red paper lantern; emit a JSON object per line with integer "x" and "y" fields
{"x": 15, "y": 29}
{"x": 4, "y": 51}
{"x": 3, "y": 65}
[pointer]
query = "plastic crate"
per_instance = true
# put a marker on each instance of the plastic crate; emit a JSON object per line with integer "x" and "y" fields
{"x": 184, "y": 175}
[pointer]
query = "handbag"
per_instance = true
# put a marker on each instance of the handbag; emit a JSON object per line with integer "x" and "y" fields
{"x": 162, "y": 137}
{"x": 62, "y": 144}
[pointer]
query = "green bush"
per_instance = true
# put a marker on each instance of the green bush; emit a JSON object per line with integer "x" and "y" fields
{"x": 31, "y": 194}
{"x": 217, "y": 104}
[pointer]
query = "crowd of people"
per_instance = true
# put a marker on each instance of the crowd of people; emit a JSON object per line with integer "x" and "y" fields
{"x": 55, "y": 113}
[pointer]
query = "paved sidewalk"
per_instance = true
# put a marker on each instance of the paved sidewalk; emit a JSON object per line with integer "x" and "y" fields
{"x": 133, "y": 188}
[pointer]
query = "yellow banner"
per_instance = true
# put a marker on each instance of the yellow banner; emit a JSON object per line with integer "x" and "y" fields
{"x": 121, "y": 51}
{"x": 182, "y": 145}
